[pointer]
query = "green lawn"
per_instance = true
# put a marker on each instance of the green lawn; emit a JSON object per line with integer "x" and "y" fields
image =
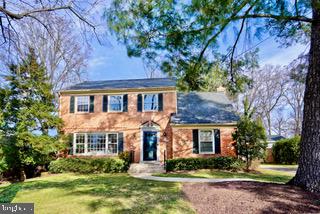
{"x": 262, "y": 175}
{"x": 294, "y": 166}
{"x": 103, "y": 193}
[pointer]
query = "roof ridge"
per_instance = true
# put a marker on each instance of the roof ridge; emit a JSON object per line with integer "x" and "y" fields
{"x": 188, "y": 92}
{"x": 127, "y": 79}
{"x": 124, "y": 83}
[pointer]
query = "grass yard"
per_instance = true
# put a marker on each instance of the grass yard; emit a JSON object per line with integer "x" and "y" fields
{"x": 294, "y": 166}
{"x": 103, "y": 193}
{"x": 262, "y": 175}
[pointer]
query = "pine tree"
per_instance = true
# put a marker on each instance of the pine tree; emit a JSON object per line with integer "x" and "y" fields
{"x": 28, "y": 114}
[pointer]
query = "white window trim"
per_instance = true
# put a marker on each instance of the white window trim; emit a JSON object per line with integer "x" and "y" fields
{"x": 213, "y": 142}
{"x": 109, "y": 110}
{"x": 143, "y": 110}
{"x": 86, "y": 143}
{"x": 149, "y": 129}
{"x": 107, "y": 143}
{"x": 88, "y": 99}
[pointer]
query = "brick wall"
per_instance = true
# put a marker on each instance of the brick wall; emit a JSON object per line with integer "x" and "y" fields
{"x": 269, "y": 156}
{"x": 127, "y": 122}
{"x": 183, "y": 142}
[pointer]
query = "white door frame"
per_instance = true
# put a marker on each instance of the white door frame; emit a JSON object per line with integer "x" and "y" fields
{"x": 149, "y": 129}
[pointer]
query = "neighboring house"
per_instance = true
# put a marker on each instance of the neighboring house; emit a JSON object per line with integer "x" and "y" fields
{"x": 271, "y": 139}
{"x": 147, "y": 116}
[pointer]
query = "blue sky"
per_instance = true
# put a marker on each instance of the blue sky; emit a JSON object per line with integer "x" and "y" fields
{"x": 111, "y": 61}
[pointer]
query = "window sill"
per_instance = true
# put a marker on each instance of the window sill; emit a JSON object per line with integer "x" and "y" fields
{"x": 207, "y": 153}
{"x": 94, "y": 154}
{"x": 81, "y": 112}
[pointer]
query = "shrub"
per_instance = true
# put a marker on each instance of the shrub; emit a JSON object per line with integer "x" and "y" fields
{"x": 286, "y": 151}
{"x": 3, "y": 167}
{"x": 126, "y": 157}
{"x": 88, "y": 165}
{"x": 228, "y": 163}
{"x": 237, "y": 165}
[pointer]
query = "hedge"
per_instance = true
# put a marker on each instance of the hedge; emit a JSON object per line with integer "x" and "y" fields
{"x": 286, "y": 151}
{"x": 228, "y": 163}
{"x": 88, "y": 165}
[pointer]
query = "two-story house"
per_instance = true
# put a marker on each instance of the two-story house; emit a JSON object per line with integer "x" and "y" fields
{"x": 147, "y": 116}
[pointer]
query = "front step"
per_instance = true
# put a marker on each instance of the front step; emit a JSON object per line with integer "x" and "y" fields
{"x": 154, "y": 167}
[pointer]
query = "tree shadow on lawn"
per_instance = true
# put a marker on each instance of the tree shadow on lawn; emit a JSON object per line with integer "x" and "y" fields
{"x": 120, "y": 193}
{"x": 9, "y": 192}
{"x": 272, "y": 198}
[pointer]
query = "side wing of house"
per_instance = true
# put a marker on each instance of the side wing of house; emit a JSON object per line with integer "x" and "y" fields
{"x": 203, "y": 126}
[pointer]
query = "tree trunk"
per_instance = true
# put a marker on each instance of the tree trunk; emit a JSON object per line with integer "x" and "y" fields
{"x": 308, "y": 173}
{"x": 23, "y": 176}
{"x": 269, "y": 122}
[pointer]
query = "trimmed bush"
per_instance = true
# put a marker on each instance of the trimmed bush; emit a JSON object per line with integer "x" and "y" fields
{"x": 126, "y": 157}
{"x": 286, "y": 151}
{"x": 228, "y": 163}
{"x": 88, "y": 165}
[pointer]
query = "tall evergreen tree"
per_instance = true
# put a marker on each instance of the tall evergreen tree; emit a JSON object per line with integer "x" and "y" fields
{"x": 183, "y": 36}
{"x": 28, "y": 114}
{"x": 250, "y": 136}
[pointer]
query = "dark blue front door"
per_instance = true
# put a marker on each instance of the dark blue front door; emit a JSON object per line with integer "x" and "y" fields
{"x": 149, "y": 146}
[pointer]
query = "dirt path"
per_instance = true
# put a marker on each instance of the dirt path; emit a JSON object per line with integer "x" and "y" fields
{"x": 250, "y": 197}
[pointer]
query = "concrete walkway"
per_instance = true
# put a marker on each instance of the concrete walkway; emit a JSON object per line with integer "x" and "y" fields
{"x": 148, "y": 176}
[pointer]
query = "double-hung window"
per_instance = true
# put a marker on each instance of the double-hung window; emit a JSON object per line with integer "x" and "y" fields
{"x": 96, "y": 143}
{"x": 83, "y": 104}
{"x": 115, "y": 103}
{"x": 150, "y": 102}
{"x": 80, "y": 143}
{"x": 206, "y": 139}
{"x": 112, "y": 143}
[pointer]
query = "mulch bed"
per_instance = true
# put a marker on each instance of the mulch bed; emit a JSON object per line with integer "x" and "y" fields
{"x": 250, "y": 197}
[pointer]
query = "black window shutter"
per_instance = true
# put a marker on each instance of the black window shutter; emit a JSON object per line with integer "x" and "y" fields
{"x": 72, "y": 104}
{"x": 195, "y": 137}
{"x": 70, "y": 143}
{"x": 160, "y": 96}
{"x": 125, "y": 103}
{"x": 105, "y": 103}
{"x": 91, "y": 108}
{"x": 139, "y": 103}
{"x": 217, "y": 142}
{"x": 120, "y": 142}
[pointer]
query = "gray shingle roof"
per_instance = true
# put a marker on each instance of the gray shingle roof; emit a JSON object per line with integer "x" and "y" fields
{"x": 204, "y": 108}
{"x": 124, "y": 84}
{"x": 274, "y": 137}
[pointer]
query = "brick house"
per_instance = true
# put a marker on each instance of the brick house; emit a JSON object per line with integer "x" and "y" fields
{"x": 147, "y": 116}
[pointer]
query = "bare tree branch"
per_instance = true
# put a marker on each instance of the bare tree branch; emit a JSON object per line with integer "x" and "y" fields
{"x": 58, "y": 32}
{"x": 28, "y": 13}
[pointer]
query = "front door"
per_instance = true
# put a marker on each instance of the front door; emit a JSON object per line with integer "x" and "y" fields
{"x": 149, "y": 146}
